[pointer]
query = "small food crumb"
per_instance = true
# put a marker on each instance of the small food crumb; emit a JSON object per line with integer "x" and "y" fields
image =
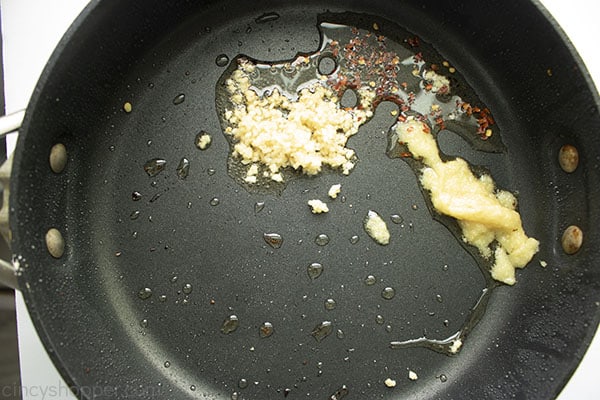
{"x": 127, "y": 107}
{"x": 317, "y": 206}
{"x": 389, "y": 382}
{"x": 376, "y": 227}
{"x": 334, "y": 190}
{"x": 456, "y": 345}
{"x": 203, "y": 140}
{"x": 543, "y": 264}
{"x": 412, "y": 375}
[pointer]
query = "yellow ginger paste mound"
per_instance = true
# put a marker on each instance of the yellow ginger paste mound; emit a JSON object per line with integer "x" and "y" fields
{"x": 485, "y": 215}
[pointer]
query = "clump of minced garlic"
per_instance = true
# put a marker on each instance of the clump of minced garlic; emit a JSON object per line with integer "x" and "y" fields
{"x": 272, "y": 132}
{"x": 485, "y": 215}
{"x": 317, "y": 206}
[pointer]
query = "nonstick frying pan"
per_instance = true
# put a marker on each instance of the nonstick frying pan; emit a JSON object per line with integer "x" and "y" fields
{"x": 529, "y": 340}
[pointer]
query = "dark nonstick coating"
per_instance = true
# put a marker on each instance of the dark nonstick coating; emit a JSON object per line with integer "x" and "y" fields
{"x": 107, "y": 342}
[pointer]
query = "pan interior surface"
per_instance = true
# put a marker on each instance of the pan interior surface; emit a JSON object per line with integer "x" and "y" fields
{"x": 167, "y": 286}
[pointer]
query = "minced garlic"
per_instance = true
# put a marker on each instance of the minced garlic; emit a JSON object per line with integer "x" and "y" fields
{"x": 334, "y": 190}
{"x": 203, "y": 140}
{"x": 376, "y": 228}
{"x": 438, "y": 82}
{"x": 412, "y": 375}
{"x": 277, "y": 132}
{"x": 456, "y": 345}
{"x": 389, "y": 382}
{"x": 317, "y": 206}
{"x": 485, "y": 215}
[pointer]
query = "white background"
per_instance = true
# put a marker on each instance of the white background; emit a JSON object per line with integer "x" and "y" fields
{"x": 31, "y": 30}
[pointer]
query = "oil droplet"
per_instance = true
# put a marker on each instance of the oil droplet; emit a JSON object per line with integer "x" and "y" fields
{"x": 155, "y": 197}
{"x": 258, "y": 206}
{"x": 379, "y": 319}
{"x": 144, "y": 323}
{"x": 167, "y": 364}
{"x": 314, "y": 270}
{"x": 388, "y": 328}
{"x": 243, "y": 383}
{"x": 354, "y": 239}
{"x": 438, "y": 297}
{"x": 192, "y": 387}
{"x": 370, "y": 280}
{"x": 183, "y": 169}
{"x": 322, "y": 330}
{"x": 235, "y": 396}
{"x": 211, "y": 171}
{"x": 174, "y": 278}
{"x": 145, "y": 293}
{"x": 322, "y": 239}
{"x": 214, "y": 201}
{"x": 397, "y": 219}
{"x": 273, "y": 239}
{"x": 340, "y": 334}
{"x": 230, "y": 324}
{"x": 265, "y": 330}
{"x": 330, "y": 304}
{"x": 136, "y": 196}
{"x": 443, "y": 378}
{"x": 134, "y": 215}
{"x": 267, "y": 17}
{"x": 222, "y": 60}
{"x": 388, "y": 293}
{"x": 180, "y": 98}
{"x": 162, "y": 298}
{"x": 187, "y": 288}
{"x": 155, "y": 166}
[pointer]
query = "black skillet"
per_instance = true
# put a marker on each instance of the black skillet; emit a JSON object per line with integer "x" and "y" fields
{"x": 152, "y": 266}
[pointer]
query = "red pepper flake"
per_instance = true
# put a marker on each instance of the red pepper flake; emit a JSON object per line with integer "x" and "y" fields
{"x": 413, "y": 41}
{"x": 406, "y": 154}
{"x": 439, "y": 121}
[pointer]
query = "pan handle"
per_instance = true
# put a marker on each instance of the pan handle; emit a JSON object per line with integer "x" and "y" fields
{"x": 9, "y": 123}
{"x": 8, "y": 275}
{"x": 7, "y": 270}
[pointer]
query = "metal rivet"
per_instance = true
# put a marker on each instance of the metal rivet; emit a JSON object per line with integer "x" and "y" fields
{"x": 58, "y": 158}
{"x": 572, "y": 239}
{"x": 55, "y": 243}
{"x": 568, "y": 158}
